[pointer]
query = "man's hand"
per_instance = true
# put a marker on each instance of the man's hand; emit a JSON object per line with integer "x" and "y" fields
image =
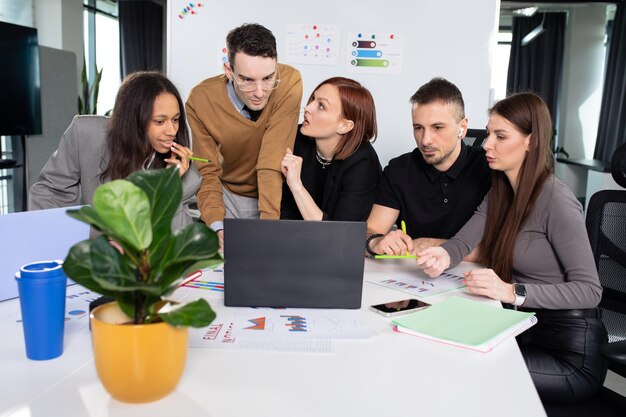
{"x": 426, "y": 242}
{"x": 393, "y": 243}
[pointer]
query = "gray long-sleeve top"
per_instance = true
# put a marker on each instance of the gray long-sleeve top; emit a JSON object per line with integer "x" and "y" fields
{"x": 552, "y": 254}
{"x": 72, "y": 174}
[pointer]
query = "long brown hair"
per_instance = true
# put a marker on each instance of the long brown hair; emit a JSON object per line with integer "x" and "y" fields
{"x": 357, "y": 105}
{"x": 127, "y": 142}
{"x": 508, "y": 208}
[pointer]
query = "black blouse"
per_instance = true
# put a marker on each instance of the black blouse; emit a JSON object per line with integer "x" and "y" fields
{"x": 343, "y": 190}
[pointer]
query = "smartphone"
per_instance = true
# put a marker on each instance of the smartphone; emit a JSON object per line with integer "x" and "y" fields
{"x": 398, "y": 308}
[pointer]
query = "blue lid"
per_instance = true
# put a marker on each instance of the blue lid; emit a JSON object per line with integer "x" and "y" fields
{"x": 41, "y": 269}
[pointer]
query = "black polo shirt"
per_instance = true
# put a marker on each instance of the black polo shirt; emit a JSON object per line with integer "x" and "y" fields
{"x": 434, "y": 203}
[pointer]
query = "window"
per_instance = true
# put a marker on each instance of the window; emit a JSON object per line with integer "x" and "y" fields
{"x": 501, "y": 58}
{"x": 102, "y": 49}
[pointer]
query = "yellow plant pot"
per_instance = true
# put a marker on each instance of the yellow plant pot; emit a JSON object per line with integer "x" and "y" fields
{"x": 136, "y": 363}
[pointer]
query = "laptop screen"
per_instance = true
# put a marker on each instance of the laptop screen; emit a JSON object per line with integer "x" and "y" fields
{"x": 293, "y": 263}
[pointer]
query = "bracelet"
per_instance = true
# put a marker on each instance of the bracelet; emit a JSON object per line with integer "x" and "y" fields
{"x": 369, "y": 239}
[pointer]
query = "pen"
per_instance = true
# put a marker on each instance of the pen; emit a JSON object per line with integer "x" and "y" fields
{"x": 395, "y": 257}
{"x": 195, "y": 158}
{"x": 403, "y": 225}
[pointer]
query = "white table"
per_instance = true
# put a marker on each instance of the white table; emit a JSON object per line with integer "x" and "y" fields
{"x": 391, "y": 374}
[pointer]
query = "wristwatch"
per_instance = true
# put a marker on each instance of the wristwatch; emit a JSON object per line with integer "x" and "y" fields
{"x": 520, "y": 294}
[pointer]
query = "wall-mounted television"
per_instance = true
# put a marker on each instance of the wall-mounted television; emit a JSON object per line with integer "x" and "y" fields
{"x": 20, "y": 98}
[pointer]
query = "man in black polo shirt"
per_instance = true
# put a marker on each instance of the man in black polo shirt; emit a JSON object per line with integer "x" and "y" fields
{"x": 434, "y": 189}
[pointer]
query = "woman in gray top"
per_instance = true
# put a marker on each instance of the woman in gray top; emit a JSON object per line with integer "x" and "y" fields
{"x": 148, "y": 130}
{"x": 531, "y": 235}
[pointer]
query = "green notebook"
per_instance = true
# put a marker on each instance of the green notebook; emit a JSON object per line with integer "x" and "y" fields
{"x": 466, "y": 323}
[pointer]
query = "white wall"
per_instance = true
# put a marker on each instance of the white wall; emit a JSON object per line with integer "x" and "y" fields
{"x": 59, "y": 25}
{"x": 18, "y": 12}
{"x": 454, "y": 39}
{"x": 583, "y": 75}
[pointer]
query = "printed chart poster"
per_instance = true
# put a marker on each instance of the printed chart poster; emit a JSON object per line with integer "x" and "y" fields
{"x": 312, "y": 44}
{"x": 304, "y": 330}
{"x": 374, "y": 53}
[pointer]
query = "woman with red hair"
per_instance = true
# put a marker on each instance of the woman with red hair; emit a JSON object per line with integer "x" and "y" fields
{"x": 333, "y": 170}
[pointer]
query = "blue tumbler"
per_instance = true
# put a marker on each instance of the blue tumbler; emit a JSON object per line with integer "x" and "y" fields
{"x": 41, "y": 287}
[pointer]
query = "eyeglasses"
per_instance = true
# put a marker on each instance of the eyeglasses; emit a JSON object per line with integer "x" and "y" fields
{"x": 250, "y": 85}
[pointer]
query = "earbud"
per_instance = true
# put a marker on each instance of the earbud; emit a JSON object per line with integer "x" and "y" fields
{"x": 460, "y": 132}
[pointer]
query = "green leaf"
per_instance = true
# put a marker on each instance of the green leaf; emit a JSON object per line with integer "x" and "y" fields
{"x": 195, "y": 314}
{"x": 112, "y": 271}
{"x": 129, "y": 303}
{"x": 191, "y": 244}
{"x": 78, "y": 266}
{"x": 164, "y": 190}
{"x": 127, "y": 306}
{"x": 87, "y": 214}
{"x": 125, "y": 211}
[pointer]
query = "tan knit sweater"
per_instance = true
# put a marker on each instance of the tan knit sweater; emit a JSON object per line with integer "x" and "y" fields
{"x": 245, "y": 155}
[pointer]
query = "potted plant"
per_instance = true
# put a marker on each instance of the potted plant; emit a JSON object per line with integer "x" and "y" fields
{"x": 140, "y": 341}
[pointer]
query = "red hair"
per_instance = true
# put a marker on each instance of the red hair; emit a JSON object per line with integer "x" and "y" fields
{"x": 358, "y": 106}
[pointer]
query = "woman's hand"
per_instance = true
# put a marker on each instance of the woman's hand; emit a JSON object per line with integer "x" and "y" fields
{"x": 220, "y": 239}
{"x": 180, "y": 156}
{"x": 486, "y": 282}
{"x": 433, "y": 260}
{"x": 291, "y": 166}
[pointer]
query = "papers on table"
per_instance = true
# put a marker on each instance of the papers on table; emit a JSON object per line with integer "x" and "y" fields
{"x": 288, "y": 329}
{"x": 268, "y": 329}
{"x": 417, "y": 283}
{"x": 210, "y": 280}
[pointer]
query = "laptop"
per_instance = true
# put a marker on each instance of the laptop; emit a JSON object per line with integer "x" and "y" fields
{"x": 30, "y": 236}
{"x": 293, "y": 263}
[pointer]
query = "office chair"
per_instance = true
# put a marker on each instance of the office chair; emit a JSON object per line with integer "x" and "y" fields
{"x": 606, "y": 228}
{"x": 475, "y": 137}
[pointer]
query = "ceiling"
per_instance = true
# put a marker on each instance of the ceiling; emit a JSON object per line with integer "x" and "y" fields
{"x": 507, "y": 7}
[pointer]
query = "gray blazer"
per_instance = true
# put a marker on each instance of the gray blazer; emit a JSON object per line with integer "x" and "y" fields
{"x": 71, "y": 175}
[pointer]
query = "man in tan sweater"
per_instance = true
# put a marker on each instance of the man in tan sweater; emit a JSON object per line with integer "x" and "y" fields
{"x": 242, "y": 122}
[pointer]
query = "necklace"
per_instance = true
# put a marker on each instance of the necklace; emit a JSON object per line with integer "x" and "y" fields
{"x": 323, "y": 161}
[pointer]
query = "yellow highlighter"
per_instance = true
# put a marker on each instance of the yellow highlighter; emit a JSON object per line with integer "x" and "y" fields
{"x": 195, "y": 158}
{"x": 403, "y": 226}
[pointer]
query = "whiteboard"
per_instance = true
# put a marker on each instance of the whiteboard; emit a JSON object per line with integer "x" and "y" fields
{"x": 454, "y": 39}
